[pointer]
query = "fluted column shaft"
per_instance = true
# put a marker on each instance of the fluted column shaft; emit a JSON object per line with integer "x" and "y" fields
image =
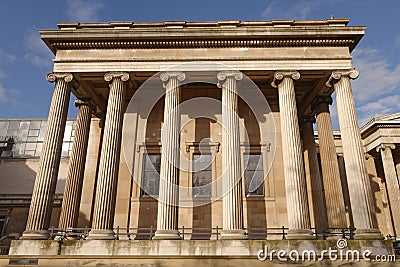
{"x": 232, "y": 206}
{"x": 296, "y": 191}
{"x": 364, "y": 216}
{"x": 334, "y": 198}
{"x": 46, "y": 177}
{"x": 167, "y": 220}
{"x": 392, "y": 183}
{"x": 73, "y": 187}
{"x": 103, "y": 213}
{"x": 313, "y": 173}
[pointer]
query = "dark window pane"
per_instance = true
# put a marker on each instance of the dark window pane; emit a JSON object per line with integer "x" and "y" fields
{"x": 151, "y": 174}
{"x": 253, "y": 175}
{"x": 202, "y": 175}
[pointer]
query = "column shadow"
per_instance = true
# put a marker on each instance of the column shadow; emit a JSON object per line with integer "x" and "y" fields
{"x": 256, "y": 209}
{"x": 201, "y": 218}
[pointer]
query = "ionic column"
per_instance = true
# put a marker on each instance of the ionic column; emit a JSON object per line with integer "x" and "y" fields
{"x": 73, "y": 187}
{"x": 103, "y": 213}
{"x": 334, "y": 198}
{"x": 46, "y": 177}
{"x": 314, "y": 183}
{"x": 232, "y": 206}
{"x": 392, "y": 183}
{"x": 364, "y": 216}
{"x": 167, "y": 219}
{"x": 295, "y": 184}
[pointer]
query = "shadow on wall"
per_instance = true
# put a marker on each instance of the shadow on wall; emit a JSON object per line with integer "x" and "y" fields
{"x": 147, "y": 218}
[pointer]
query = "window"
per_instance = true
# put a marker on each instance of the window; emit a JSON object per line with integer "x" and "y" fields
{"x": 253, "y": 175}
{"x": 202, "y": 175}
{"x": 151, "y": 174}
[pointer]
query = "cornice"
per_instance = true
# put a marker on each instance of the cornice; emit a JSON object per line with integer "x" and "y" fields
{"x": 149, "y": 44}
{"x": 207, "y": 34}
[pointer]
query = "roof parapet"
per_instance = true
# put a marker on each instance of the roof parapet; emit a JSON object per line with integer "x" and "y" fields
{"x": 220, "y": 23}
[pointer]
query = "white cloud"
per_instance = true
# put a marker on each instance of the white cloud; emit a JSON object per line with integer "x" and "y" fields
{"x": 8, "y": 95}
{"x": 376, "y": 91}
{"x": 377, "y": 76}
{"x": 6, "y": 56}
{"x": 5, "y": 94}
{"x": 386, "y": 105}
{"x": 39, "y": 54}
{"x": 80, "y": 10}
{"x": 294, "y": 10}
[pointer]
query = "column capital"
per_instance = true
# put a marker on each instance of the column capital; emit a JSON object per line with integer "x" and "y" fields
{"x": 223, "y": 75}
{"x": 53, "y": 76}
{"x": 280, "y": 75}
{"x": 166, "y": 75}
{"x": 309, "y": 118}
{"x": 385, "y": 146}
{"x": 338, "y": 74}
{"x": 109, "y": 76}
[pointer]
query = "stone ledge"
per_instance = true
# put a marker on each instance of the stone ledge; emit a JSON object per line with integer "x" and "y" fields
{"x": 185, "y": 248}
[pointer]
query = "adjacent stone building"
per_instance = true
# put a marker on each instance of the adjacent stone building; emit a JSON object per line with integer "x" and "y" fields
{"x": 233, "y": 164}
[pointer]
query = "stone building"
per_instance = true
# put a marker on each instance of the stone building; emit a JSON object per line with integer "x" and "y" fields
{"x": 232, "y": 163}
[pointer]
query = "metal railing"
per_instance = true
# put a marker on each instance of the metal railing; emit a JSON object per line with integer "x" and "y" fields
{"x": 4, "y": 250}
{"x": 324, "y": 233}
{"x": 213, "y": 233}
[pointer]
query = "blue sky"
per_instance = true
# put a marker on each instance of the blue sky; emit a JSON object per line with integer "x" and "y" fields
{"x": 25, "y": 60}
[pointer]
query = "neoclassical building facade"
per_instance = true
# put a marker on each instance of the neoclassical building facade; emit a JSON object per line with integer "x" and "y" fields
{"x": 143, "y": 159}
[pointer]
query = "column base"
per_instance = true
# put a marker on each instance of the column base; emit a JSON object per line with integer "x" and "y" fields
{"x": 300, "y": 234}
{"x": 368, "y": 234}
{"x": 234, "y": 235}
{"x": 335, "y": 234}
{"x": 97, "y": 234}
{"x": 167, "y": 235}
{"x": 35, "y": 235}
